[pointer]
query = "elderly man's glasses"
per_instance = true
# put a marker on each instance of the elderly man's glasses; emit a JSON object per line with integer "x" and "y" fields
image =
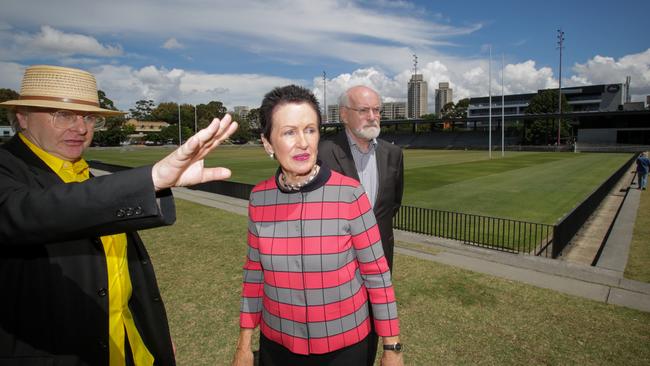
{"x": 66, "y": 119}
{"x": 366, "y": 111}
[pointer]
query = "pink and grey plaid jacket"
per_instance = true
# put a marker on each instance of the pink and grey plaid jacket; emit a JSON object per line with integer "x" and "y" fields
{"x": 314, "y": 259}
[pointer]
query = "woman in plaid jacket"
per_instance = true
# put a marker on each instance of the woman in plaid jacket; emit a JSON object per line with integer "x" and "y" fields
{"x": 315, "y": 264}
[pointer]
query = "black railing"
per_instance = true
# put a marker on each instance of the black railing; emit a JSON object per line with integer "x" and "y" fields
{"x": 569, "y": 225}
{"x": 226, "y": 188}
{"x": 491, "y": 232}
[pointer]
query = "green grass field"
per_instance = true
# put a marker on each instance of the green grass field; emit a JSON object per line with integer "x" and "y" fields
{"x": 537, "y": 187}
{"x": 448, "y": 316}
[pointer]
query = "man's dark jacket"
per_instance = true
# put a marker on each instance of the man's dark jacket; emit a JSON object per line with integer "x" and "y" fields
{"x": 337, "y": 155}
{"x": 53, "y": 276}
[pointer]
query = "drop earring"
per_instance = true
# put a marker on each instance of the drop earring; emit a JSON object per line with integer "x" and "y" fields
{"x": 272, "y": 156}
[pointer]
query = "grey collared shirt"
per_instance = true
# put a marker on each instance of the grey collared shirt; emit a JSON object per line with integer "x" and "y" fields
{"x": 366, "y": 164}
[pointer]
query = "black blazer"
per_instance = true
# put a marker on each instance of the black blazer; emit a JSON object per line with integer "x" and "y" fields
{"x": 53, "y": 277}
{"x": 336, "y": 154}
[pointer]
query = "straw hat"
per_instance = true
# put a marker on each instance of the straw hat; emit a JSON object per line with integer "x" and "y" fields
{"x": 59, "y": 88}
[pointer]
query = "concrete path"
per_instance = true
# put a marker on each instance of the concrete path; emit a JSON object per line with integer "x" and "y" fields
{"x": 617, "y": 248}
{"x": 585, "y": 245}
{"x": 602, "y": 283}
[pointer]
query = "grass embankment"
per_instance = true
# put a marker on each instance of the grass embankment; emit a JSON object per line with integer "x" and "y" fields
{"x": 449, "y": 316}
{"x": 638, "y": 267}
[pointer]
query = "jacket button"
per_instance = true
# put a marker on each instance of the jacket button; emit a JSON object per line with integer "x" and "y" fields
{"x": 102, "y": 344}
{"x": 138, "y": 210}
{"x": 102, "y": 292}
{"x": 144, "y": 261}
{"x": 120, "y": 213}
{"x": 156, "y": 299}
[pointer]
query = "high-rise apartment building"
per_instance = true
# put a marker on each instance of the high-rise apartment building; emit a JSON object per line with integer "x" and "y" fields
{"x": 333, "y": 115}
{"x": 444, "y": 95}
{"x": 241, "y": 110}
{"x": 393, "y": 110}
{"x": 417, "y": 97}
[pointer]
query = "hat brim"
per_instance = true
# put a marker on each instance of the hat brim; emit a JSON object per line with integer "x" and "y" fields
{"x": 60, "y": 105}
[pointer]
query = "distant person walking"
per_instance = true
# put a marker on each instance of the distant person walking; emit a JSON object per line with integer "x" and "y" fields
{"x": 642, "y": 167}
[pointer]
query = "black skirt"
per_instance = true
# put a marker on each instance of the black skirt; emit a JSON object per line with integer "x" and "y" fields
{"x": 274, "y": 354}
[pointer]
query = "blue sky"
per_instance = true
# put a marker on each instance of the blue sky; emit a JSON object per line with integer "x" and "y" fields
{"x": 201, "y": 50}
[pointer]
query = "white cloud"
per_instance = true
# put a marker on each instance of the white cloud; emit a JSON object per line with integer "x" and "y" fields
{"x": 290, "y": 29}
{"x": 11, "y": 75}
{"x": 126, "y": 85}
{"x": 172, "y": 44}
{"x": 52, "y": 43}
{"x": 606, "y": 70}
{"x": 526, "y": 78}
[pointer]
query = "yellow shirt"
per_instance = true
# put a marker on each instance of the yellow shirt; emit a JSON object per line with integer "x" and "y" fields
{"x": 119, "y": 281}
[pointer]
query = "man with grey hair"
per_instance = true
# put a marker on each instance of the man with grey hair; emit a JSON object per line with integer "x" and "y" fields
{"x": 357, "y": 152}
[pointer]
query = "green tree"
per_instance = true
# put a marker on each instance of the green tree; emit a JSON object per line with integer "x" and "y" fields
{"x": 111, "y": 137}
{"x": 143, "y": 110}
{"x": 543, "y": 131}
{"x": 167, "y": 112}
{"x": 106, "y": 103}
{"x": 170, "y": 134}
{"x": 253, "y": 118}
{"x": 187, "y": 116}
{"x": 207, "y": 112}
{"x": 5, "y": 95}
{"x": 447, "y": 110}
{"x": 460, "y": 110}
{"x": 244, "y": 131}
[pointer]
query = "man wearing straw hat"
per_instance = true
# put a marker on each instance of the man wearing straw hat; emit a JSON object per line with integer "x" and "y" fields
{"x": 76, "y": 283}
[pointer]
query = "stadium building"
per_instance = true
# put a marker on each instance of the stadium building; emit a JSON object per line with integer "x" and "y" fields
{"x": 593, "y": 98}
{"x": 600, "y": 114}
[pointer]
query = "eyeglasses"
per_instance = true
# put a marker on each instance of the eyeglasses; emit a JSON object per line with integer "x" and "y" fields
{"x": 66, "y": 119}
{"x": 366, "y": 111}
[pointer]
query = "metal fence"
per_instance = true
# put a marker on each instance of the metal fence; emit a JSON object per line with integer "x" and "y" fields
{"x": 507, "y": 235}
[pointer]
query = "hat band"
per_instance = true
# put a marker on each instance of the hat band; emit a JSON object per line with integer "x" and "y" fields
{"x": 55, "y": 99}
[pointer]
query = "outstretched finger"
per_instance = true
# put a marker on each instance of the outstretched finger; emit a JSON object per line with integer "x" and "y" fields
{"x": 217, "y": 140}
{"x": 227, "y": 132}
{"x": 204, "y": 137}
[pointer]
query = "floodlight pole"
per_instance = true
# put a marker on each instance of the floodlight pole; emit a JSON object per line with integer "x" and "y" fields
{"x": 325, "y": 96}
{"x": 195, "y": 124}
{"x": 503, "y": 108}
{"x": 179, "y": 125}
{"x": 490, "y": 104}
{"x": 560, "y": 42}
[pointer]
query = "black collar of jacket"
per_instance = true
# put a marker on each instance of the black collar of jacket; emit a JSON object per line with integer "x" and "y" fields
{"x": 16, "y": 147}
{"x": 321, "y": 178}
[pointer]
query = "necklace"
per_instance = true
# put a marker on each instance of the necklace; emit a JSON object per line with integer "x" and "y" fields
{"x": 297, "y": 186}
